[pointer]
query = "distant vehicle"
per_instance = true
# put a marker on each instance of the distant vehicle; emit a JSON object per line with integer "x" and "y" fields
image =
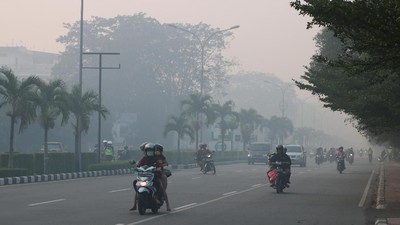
{"x": 297, "y": 154}
{"x": 258, "y": 152}
{"x": 53, "y": 147}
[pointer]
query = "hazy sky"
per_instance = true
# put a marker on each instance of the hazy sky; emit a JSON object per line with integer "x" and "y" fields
{"x": 272, "y": 37}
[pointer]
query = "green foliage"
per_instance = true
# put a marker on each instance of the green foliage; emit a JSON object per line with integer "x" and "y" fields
{"x": 13, "y": 172}
{"x": 357, "y": 70}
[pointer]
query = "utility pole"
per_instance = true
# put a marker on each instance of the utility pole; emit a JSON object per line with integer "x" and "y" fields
{"x": 100, "y": 68}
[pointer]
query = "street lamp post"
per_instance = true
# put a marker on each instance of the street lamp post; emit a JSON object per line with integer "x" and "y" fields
{"x": 283, "y": 90}
{"x": 100, "y": 68}
{"x": 203, "y": 44}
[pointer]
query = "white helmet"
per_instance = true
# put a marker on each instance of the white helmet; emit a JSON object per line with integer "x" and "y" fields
{"x": 104, "y": 141}
{"x": 109, "y": 142}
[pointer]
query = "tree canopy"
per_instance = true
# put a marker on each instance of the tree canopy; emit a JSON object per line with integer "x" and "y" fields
{"x": 357, "y": 67}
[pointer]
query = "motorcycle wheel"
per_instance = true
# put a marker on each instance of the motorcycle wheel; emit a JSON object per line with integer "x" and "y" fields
{"x": 278, "y": 185}
{"x": 154, "y": 210}
{"x": 206, "y": 168}
{"x": 142, "y": 204}
{"x": 214, "y": 170}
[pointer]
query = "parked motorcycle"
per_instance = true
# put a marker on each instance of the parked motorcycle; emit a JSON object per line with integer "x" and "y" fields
{"x": 148, "y": 196}
{"x": 208, "y": 163}
{"x": 277, "y": 176}
{"x": 340, "y": 164}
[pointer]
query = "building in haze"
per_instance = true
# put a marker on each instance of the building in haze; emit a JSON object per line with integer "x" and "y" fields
{"x": 24, "y": 62}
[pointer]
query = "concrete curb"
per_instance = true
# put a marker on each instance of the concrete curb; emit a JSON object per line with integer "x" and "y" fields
{"x": 62, "y": 176}
{"x": 380, "y": 200}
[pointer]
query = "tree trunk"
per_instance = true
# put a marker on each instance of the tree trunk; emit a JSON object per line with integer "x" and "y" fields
{"x": 46, "y": 151}
{"x": 11, "y": 150}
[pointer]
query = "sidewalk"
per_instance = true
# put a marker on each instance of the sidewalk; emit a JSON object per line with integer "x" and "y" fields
{"x": 388, "y": 194}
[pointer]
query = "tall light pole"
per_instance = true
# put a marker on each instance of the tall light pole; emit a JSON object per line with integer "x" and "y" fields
{"x": 78, "y": 120}
{"x": 100, "y": 67}
{"x": 283, "y": 90}
{"x": 203, "y": 44}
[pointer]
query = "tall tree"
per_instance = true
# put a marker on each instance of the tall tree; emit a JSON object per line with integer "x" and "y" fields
{"x": 19, "y": 96}
{"x": 250, "y": 120}
{"x": 181, "y": 127}
{"x": 362, "y": 76}
{"x": 224, "y": 115}
{"x": 197, "y": 106}
{"x": 52, "y": 102}
{"x": 280, "y": 128}
{"x": 82, "y": 105}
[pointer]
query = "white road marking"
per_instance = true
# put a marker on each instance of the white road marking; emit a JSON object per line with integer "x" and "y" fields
{"x": 256, "y": 185}
{"x": 229, "y": 193}
{"x": 193, "y": 205}
{"x": 366, "y": 190}
{"x": 47, "y": 202}
{"x": 125, "y": 189}
{"x": 185, "y": 206}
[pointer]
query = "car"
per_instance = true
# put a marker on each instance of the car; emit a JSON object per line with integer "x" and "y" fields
{"x": 297, "y": 154}
{"x": 258, "y": 153}
{"x": 53, "y": 147}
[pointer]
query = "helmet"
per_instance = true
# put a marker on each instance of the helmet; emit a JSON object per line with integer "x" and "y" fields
{"x": 279, "y": 149}
{"x": 141, "y": 147}
{"x": 284, "y": 150}
{"x": 158, "y": 147}
{"x": 149, "y": 149}
{"x": 202, "y": 145}
{"x": 109, "y": 142}
{"x": 104, "y": 141}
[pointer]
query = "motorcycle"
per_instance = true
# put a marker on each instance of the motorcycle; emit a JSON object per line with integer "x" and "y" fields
{"x": 147, "y": 191}
{"x": 340, "y": 164}
{"x": 277, "y": 176}
{"x": 331, "y": 157}
{"x": 351, "y": 158}
{"x": 208, "y": 164}
{"x": 319, "y": 159}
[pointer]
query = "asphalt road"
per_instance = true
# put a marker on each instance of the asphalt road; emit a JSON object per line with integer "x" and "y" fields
{"x": 237, "y": 194}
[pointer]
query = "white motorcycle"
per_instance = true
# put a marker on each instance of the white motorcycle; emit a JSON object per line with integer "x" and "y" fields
{"x": 149, "y": 197}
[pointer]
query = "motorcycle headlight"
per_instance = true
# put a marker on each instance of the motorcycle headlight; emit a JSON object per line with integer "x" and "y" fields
{"x": 142, "y": 183}
{"x": 248, "y": 155}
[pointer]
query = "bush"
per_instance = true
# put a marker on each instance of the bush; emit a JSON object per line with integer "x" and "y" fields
{"x": 13, "y": 172}
{"x": 115, "y": 165}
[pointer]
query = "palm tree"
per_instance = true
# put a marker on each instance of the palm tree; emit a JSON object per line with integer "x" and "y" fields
{"x": 19, "y": 95}
{"x": 223, "y": 114}
{"x": 53, "y": 101}
{"x": 280, "y": 128}
{"x": 249, "y": 121}
{"x": 82, "y": 106}
{"x": 181, "y": 127}
{"x": 233, "y": 124}
{"x": 195, "y": 106}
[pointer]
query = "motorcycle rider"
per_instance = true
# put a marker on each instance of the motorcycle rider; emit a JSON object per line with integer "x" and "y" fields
{"x": 370, "y": 152}
{"x": 201, "y": 155}
{"x": 108, "y": 151}
{"x": 341, "y": 154}
{"x": 150, "y": 159}
{"x": 281, "y": 156}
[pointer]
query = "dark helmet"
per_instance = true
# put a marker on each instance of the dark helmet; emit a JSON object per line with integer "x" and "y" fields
{"x": 284, "y": 150}
{"x": 202, "y": 145}
{"x": 149, "y": 150}
{"x": 158, "y": 147}
{"x": 279, "y": 149}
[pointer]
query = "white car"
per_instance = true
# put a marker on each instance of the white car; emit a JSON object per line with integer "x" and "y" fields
{"x": 297, "y": 154}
